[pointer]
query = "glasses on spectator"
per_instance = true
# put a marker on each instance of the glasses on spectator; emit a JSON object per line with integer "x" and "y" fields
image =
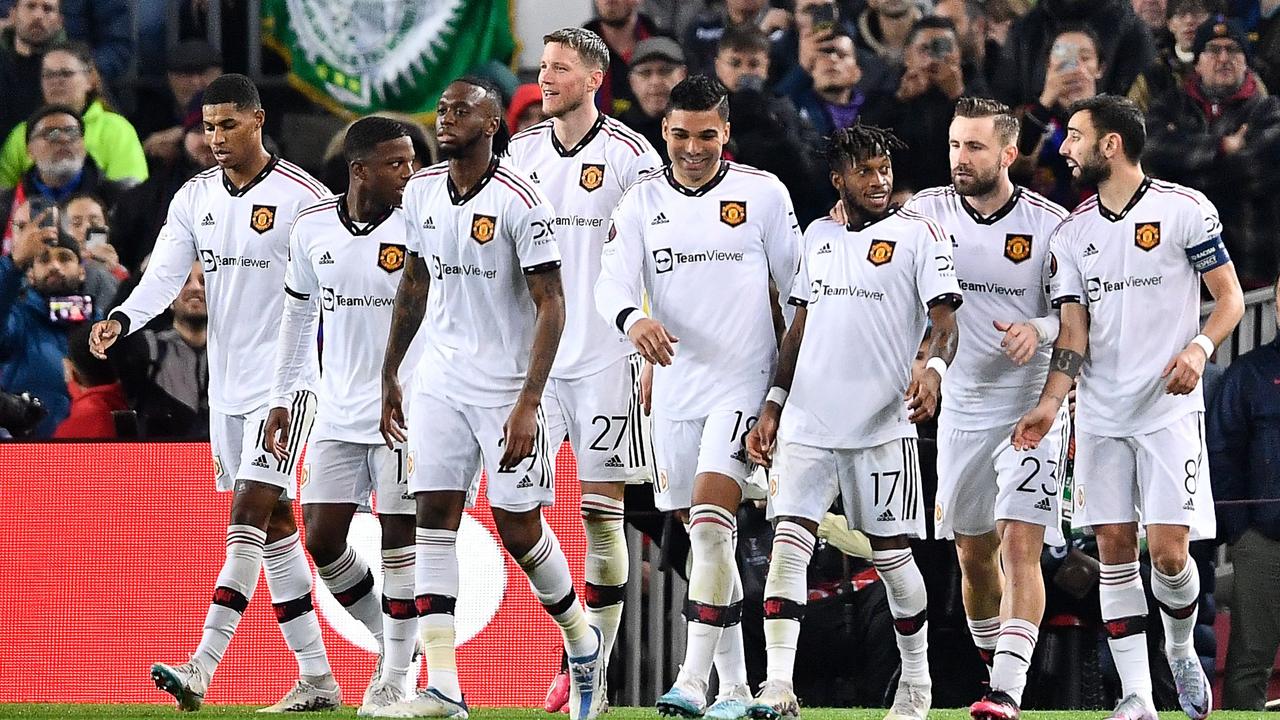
{"x": 65, "y": 74}
{"x": 55, "y": 134}
{"x": 1223, "y": 50}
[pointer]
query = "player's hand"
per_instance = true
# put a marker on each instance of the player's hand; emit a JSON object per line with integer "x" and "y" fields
{"x": 275, "y": 435}
{"x": 1033, "y": 426}
{"x": 1184, "y": 370}
{"x": 646, "y": 387}
{"x": 653, "y": 342}
{"x": 103, "y": 335}
{"x": 763, "y": 436}
{"x": 1020, "y": 341}
{"x": 922, "y": 395}
{"x": 392, "y": 424}
{"x": 518, "y": 434}
{"x": 838, "y": 214}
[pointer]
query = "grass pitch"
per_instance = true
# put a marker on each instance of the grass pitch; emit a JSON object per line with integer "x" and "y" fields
{"x": 35, "y": 711}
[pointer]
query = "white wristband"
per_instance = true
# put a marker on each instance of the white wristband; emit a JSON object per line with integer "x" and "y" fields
{"x": 777, "y": 395}
{"x": 1205, "y": 344}
{"x": 937, "y": 364}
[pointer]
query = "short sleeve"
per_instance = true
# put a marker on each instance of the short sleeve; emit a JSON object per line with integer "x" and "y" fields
{"x": 300, "y": 279}
{"x": 1204, "y": 247}
{"x": 533, "y": 231}
{"x": 1066, "y": 279}
{"x": 936, "y": 268}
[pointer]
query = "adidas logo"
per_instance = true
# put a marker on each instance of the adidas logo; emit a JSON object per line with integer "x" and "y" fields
{"x": 207, "y": 221}
{"x": 534, "y": 176}
{"x": 1091, "y": 250}
{"x": 660, "y": 220}
{"x": 825, "y": 249}
{"x": 261, "y": 462}
{"x": 614, "y": 462}
{"x": 1190, "y": 505}
{"x": 886, "y": 516}
{"x": 525, "y": 482}
{"x": 326, "y": 258}
{"x": 428, "y": 224}
{"x": 1044, "y": 505}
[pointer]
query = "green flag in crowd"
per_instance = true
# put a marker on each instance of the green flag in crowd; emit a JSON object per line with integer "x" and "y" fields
{"x": 359, "y": 56}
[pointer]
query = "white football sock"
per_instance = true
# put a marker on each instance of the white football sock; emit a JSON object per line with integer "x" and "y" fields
{"x": 289, "y": 579}
{"x": 351, "y": 582}
{"x": 1013, "y": 656}
{"x": 436, "y": 587}
{"x": 1124, "y": 616}
{"x": 1179, "y": 598}
{"x": 232, "y": 592}
{"x": 786, "y": 592}
{"x": 605, "y": 569}
{"x": 548, "y": 572}
{"x": 401, "y": 621}
{"x": 908, "y": 605}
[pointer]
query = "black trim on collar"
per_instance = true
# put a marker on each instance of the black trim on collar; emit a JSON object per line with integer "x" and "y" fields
{"x": 1137, "y": 195}
{"x": 893, "y": 210}
{"x": 706, "y": 187}
{"x": 585, "y": 141}
{"x": 457, "y": 199}
{"x": 345, "y": 218}
{"x": 996, "y": 216}
{"x": 239, "y": 192}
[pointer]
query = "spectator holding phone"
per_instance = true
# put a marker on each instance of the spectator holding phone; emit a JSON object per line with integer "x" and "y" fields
{"x": 920, "y": 109}
{"x": 824, "y": 84}
{"x": 55, "y": 139}
{"x": 1074, "y": 70}
{"x": 84, "y": 217}
{"x": 42, "y": 298}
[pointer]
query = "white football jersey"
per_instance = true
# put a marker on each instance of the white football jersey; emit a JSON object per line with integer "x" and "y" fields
{"x": 706, "y": 257}
{"x": 1138, "y": 273}
{"x": 584, "y": 184}
{"x": 241, "y": 239}
{"x": 348, "y": 273}
{"x": 1002, "y": 265}
{"x": 867, "y": 293}
{"x": 478, "y": 248}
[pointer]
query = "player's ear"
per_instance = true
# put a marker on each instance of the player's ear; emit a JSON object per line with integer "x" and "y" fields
{"x": 665, "y": 134}
{"x": 259, "y": 118}
{"x": 1008, "y": 155}
{"x": 837, "y": 180}
{"x": 596, "y": 79}
{"x": 725, "y": 137}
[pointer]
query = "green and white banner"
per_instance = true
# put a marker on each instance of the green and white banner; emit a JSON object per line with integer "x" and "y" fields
{"x": 359, "y": 56}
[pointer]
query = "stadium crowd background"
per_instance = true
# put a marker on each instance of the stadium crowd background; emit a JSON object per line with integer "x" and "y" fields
{"x": 91, "y": 153}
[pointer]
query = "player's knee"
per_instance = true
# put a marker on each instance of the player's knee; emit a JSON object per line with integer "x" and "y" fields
{"x": 519, "y": 532}
{"x": 1168, "y": 560}
{"x": 323, "y": 548}
{"x": 1117, "y": 543}
{"x": 1021, "y": 544}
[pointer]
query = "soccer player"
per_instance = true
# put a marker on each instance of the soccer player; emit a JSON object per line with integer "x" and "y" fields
{"x": 346, "y": 257}
{"x": 704, "y": 237}
{"x": 999, "y": 504}
{"x": 870, "y": 286}
{"x": 1126, "y": 268}
{"x": 484, "y": 270}
{"x": 583, "y": 160}
{"x": 234, "y": 220}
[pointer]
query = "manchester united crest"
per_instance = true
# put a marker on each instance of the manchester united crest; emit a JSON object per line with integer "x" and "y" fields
{"x": 591, "y": 177}
{"x": 1147, "y": 235}
{"x": 881, "y": 252}
{"x": 733, "y": 212}
{"x": 391, "y": 257}
{"x": 1017, "y": 248}
{"x": 483, "y": 227}
{"x": 263, "y": 218}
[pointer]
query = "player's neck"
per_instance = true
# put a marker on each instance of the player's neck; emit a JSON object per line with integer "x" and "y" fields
{"x": 240, "y": 176}
{"x": 1116, "y": 191}
{"x": 467, "y": 170}
{"x": 361, "y": 207}
{"x": 994, "y": 200}
{"x": 574, "y": 125}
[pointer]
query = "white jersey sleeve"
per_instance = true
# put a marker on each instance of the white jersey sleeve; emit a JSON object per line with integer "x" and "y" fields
{"x": 935, "y": 267}
{"x": 298, "y": 324}
{"x": 535, "y": 238}
{"x": 622, "y": 265}
{"x": 168, "y": 268}
{"x": 782, "y": 243}
{"x": 1206, "y": 252}
{"x": 1066, "y": 279}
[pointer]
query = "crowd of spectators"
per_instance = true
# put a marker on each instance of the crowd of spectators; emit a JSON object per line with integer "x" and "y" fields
{"x": 85, "y": 180}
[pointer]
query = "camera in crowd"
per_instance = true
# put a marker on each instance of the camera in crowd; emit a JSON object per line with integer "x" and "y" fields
{"x": 19, "y": 414}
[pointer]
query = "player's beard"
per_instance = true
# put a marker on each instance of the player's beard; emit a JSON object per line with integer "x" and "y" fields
{"x": 1094, "y": 170}
{"x": 568, "y": 108}
{"x": 979, "y": 185}
{"x": 459, "y": 150}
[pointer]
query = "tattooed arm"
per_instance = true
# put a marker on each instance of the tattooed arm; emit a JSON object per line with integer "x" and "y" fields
{"x": 522, "y": 425}
{"x": 406, "y": 317}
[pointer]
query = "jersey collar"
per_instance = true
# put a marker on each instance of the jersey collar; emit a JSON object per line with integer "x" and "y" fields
{"x": 352, "y": 226}
{"x": 1137, "y": 195}
{"x": 457, "y": 199}
{"x": 262, "y": 175}
{"x": 585, "y": 141}
{"x": 996, "y": 216}
{"x": 706, "y": 187}
{"x": 893, "y": 210}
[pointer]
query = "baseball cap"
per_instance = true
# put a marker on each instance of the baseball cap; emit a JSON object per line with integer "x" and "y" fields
{"x": 657, "y": 48}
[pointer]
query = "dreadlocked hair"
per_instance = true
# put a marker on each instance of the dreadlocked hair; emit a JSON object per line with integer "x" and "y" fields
{"x": 858, "y": 142}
